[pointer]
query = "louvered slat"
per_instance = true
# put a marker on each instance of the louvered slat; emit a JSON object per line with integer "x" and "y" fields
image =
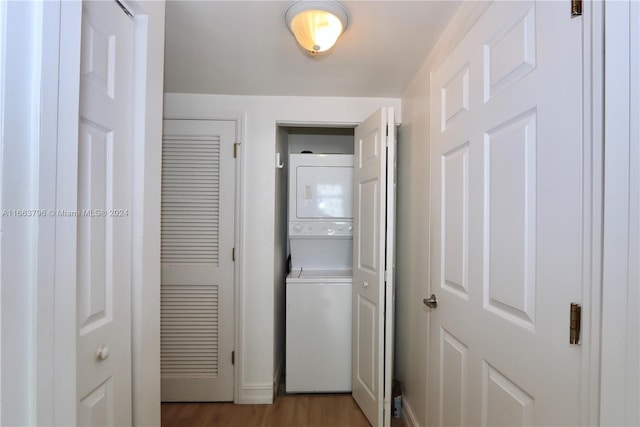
{"x": 190, "y": 200}
{"x": 189, "y": 325}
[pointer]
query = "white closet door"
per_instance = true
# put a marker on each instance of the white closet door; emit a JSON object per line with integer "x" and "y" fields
{"x": 198, "y": 184}
{"x": 103, "y": 219}
{"x": 373, "y": 251}
{"x": 506, "y": 229}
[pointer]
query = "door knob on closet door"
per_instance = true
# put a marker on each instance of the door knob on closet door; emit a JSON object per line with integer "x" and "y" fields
{"x": 431, "y": 302}
{"x": 102, "y": 353}
{"x": 365, "y": 284}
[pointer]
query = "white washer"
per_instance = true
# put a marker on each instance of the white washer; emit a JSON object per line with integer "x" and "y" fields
{"x": 318, "y": 289}
{"x": 318, "y": 339}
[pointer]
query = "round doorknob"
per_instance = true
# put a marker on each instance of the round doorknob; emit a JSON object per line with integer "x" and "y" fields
{"x": 102, "y": 353}
{"x": 431, "y": 302}
{"x": 365, "y": 284}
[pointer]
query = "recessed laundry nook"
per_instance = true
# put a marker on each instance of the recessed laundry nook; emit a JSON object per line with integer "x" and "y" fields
{"x": 320, "y": 235}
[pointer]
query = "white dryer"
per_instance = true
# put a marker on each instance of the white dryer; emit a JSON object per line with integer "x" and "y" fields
{"x": 318, "y": 289}
{"x": 320, "y": 187}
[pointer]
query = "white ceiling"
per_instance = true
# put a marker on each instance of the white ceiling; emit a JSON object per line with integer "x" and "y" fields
{"x": 244, "y": 48}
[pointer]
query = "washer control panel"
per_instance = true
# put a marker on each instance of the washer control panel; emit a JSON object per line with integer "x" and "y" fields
{"x": 321, "y": 229}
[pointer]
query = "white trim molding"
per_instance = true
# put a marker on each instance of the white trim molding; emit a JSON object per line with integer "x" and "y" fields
{"x": 29, "y": 86}
{"x": 407, "y": 414}
{"x": 620, "y": 375}
{"x": 593, "y": 67}
{"x": 256, "y": 394}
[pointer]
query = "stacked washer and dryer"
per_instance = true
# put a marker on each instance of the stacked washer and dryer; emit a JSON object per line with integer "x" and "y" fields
{"x": 318, "y": 288}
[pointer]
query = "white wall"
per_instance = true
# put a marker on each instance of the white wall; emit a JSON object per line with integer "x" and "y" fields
{"x": 255, "y": 349}
{"x": 321, "y": 140}
{"x": 281, "y": 251}
{"x": 412, "y": 248}
{"x": 3, "y": 34}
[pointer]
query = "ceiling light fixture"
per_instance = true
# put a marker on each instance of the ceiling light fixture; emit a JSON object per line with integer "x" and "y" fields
{"x": 316, "y": 24}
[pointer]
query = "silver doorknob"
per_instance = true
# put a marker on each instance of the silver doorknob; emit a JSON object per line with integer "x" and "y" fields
{"x": 431, "y": 302}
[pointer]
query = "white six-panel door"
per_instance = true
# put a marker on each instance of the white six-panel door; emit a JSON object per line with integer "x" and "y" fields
{"x": 104, "y": 227}
{"x": 198, "y": 205}
{"x": 506, "y": 252}
{"x": 373, "y": 237}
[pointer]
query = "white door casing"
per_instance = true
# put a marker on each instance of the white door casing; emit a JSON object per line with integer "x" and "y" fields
{"x": 373, "y": 249}
{"x": 620, "y": 370}
{"x": 197, "y": 296}
{"x": 506, "y": 254}
{"x": 104, "y": 227}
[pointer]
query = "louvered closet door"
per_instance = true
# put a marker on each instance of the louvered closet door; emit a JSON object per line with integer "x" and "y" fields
{"x": 198, "y": 183}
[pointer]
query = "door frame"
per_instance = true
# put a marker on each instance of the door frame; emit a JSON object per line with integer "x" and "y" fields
{"x": 238, "y": 276}
{"x": 593, "y": 199}
{"x": 620, "y": 379}
{"x": 27, "y": 244}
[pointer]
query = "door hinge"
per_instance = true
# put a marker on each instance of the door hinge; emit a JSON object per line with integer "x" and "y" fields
{"x": 233, "y": 357}
{"x": 575, "y": 318}
{"x": 576, "y": 8}
{"x": 235, "y": 149}
{"x": 387, "y": 275}
{"x": 387, "y": 135}
{"x": 233, "y": 254}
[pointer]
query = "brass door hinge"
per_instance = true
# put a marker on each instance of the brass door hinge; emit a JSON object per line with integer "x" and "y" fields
{"x": 576, "y": 8}
{"x": 235, "y": 149}
{"x": 575, "y": 318}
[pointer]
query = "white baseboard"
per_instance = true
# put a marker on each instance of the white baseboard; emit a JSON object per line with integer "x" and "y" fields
{"x": 256, "y": 394}
{"x": 407, "y": 414}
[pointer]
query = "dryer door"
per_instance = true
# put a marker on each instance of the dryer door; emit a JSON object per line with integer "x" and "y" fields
{"x": 324, "y": 192}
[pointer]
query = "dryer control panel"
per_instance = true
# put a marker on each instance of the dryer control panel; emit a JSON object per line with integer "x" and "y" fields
{"x": 321, "y": 229}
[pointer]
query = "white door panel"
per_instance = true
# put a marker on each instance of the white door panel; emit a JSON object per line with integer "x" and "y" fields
{"x": 104, "y": 228}
{"x": 198, "y": 196}
{"x": 373, "y": 254}
{"x": 506, "y": 220}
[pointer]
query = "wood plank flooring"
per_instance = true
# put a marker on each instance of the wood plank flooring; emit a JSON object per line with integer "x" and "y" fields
{"x": 287, "y": 411}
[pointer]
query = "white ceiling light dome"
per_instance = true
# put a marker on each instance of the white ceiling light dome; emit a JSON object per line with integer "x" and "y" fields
{"x": 316, "y": 24}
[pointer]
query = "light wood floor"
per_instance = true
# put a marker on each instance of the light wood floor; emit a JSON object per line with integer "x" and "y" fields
{"x": 287, "y": 411}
